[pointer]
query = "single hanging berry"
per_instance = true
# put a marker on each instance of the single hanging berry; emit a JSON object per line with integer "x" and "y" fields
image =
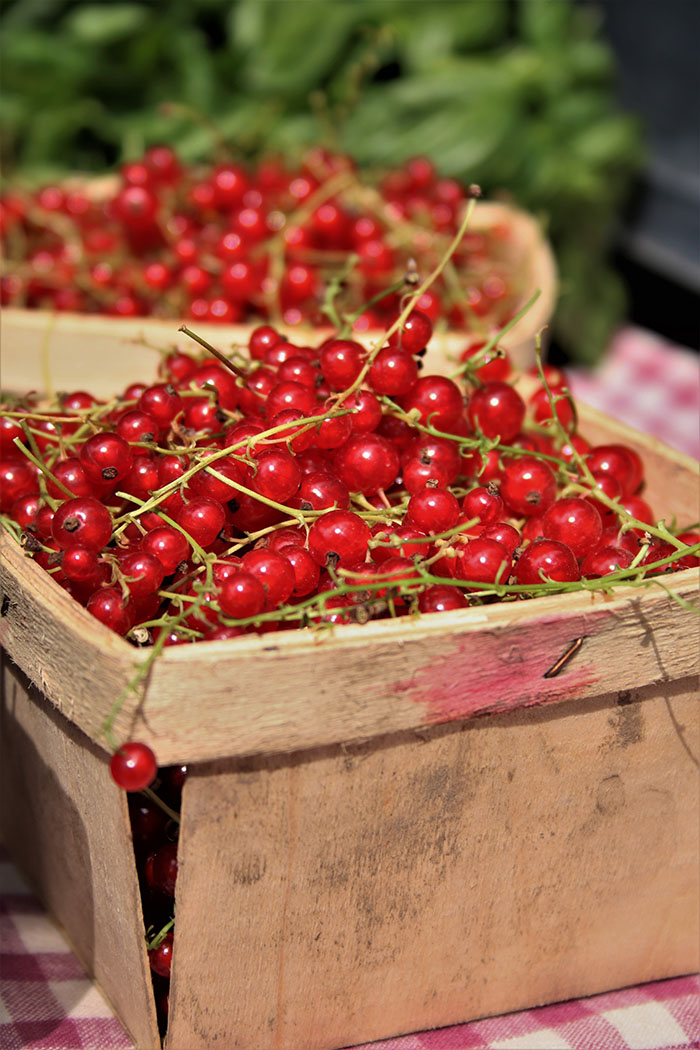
{"x": 133, "y": 766}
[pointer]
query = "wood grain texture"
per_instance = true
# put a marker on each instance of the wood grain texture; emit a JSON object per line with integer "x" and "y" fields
{"x": 67, "y": 825}
{"x": 357, "y": 893}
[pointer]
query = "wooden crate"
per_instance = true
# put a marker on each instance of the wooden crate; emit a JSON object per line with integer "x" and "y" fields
{"x": 360, "y": 855}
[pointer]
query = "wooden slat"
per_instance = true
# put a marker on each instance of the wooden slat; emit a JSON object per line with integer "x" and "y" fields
{"x": 67, "y": 826}
{"x": 344, "y": 895}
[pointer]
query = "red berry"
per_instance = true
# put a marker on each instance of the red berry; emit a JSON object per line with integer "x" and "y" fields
{"x": 575, "y": 522}
{"x": 367, "y": 463}
{"x": 241, "y": 595}
{"x": 441, "y": 598}
{"x": 339, "y": 537}
{"x": 432, "y": 510}
{"x": 528, "y": 486}
{"x": 605, "y": 560}
{"x": 161, "y": 869}
{"x": 438, "y": 400}
{"x": 393, "y": 372}
{"x": 84, "y": 521}
{"x": 273, "y": 571}
{"x": 202, "y": 519}
{"x": 546, "y": 560}
{"x": 106, "y": 457}
{"x": 161, "y": 957}
{"x": 497, "y": 410}
{"x": 414, "y": 334}
{"x": 133, "y": 766}
{"x": 341, "y": 362}
{"x": 483, "y": 561}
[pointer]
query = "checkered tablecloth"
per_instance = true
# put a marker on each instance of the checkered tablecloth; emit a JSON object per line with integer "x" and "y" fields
{"x": 47, "y": 1002}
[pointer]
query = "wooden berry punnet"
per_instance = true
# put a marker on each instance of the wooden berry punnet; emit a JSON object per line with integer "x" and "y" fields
{"x": 385, "y": 827}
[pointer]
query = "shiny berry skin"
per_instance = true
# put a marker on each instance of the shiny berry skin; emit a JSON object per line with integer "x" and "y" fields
{"x": 332, "y": 432}
{"x": 168, "y": 545}
{"x": 202, "y": 519}
{"x": 306, "y": 569}
{"x": 541, "y": 408}
{"x": 221, "y": 380}
{"x": 109, "y": 607}
{"x": 84, "y": 521}
{"x": 504, "y": 533}
{"x": 205, "y": 483}
{"x": 438, "y": 400}
{"x": 605, "y": 560}
{"x": 366, "y": 411}
{"x": 367, "y": 463}
{"x": 290, "y": 394}
{"x": 497, "y": 410}
{"x": 546, "y": 560}
{"x": 528, "y": 486}
{"x": 133, "y": 766}
{"x": 616, "y": 460}
{"x": 80, "y": 564}
{"x": 161, "y": 402}
{"x": 106, "y": 457}
{"x": 339, "y": 537}
{"x": 483, "y": 503}
{"x": 144, "y": 574}
{"x": 160, "y": 958}
{"x": 341, "y": 361}
{"x": 135, "y": 425}
{"x": 321, "y": 490}
{"x": 441, "y": 598}
{"x": 277, "y": 475}
{"x": 393, "y": 372}
{"x": 414, "y": 334}
{"x": 273, "y": 571}
{"x": 495, "y": 365}
{"x": 241, "y": 595}
{"x": 575, "y": 522}
{"x": 17, "y": 478}
{"x": 432, "y": 510}
{"x": 483, "y": 561}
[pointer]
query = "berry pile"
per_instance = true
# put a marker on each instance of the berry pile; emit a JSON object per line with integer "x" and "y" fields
{"x": 233, "y": 244}
{"x": 288, "y": 486}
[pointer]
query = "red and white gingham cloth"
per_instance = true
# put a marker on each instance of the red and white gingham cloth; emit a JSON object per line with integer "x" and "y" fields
{"x": 649, "y": 384}
{"x": 47, "y": 1002}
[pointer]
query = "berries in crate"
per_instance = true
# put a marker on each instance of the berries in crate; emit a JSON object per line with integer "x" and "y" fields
{"x": 252, "y": 608}
{"x": 228, "y": 243}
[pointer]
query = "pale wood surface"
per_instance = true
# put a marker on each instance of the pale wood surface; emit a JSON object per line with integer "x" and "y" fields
{"x": 67, "y": 825}
{"x": 349, "y": 894}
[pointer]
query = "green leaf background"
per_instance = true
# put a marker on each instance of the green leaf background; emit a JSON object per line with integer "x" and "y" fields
{"x": 517, "y": 95}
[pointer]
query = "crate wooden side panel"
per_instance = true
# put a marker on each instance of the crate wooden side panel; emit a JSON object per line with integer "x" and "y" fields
{"x": 356, "y": 893}
{"x": 67, "y": 825}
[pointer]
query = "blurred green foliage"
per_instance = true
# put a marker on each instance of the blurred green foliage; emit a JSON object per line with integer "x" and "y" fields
{"x": 516, "y": 95}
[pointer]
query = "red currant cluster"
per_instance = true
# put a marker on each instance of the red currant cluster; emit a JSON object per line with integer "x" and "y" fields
{"x": 231, "y": 244}
{"x": 319, "y": 485}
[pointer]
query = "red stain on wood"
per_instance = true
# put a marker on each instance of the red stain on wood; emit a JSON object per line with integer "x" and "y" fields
{"x": 494, "y": 672}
